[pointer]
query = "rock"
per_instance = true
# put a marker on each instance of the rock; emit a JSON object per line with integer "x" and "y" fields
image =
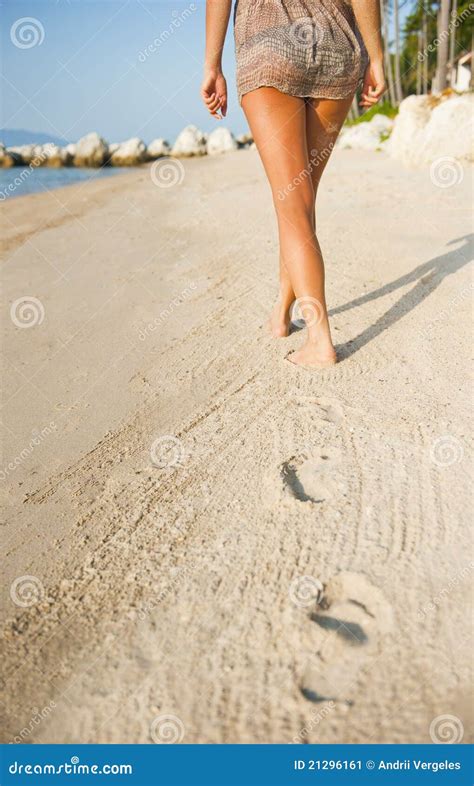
{"x": 23, "y": 154}
{"x": 244, "y": 140}
{"x": 382, "y": 123}
{"x": 221, "y": 140}
{"x": 68, "y": 153}
{"x": 450, "y": 130}
{"x": 157, "y": 149}
{"x": 407, "y": 135}
{"x": 367, "y": 135}
{"x": 362, "y": 136}
{"x": 426, "y": 130}
{"x": 129, "y": 153}
{"x": 53, "y": 155}
{"x": 6, "y": 160}
{"x": 190, "y": 142}
{"x": 91, "y": 150}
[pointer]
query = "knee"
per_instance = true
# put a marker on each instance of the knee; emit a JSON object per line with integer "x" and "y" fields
{"x": 296, "y": 206}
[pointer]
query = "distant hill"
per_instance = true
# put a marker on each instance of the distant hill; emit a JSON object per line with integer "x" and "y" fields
{"x": 19, "y": 136}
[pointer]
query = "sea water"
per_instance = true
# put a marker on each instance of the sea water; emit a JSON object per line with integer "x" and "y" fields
{"x": 20, "y": 180}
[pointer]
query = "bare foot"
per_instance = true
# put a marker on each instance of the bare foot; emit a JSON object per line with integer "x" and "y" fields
{"x": 313, "y": 356}
{"x": 279, "y": 322}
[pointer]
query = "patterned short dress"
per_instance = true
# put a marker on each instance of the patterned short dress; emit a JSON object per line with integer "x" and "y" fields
{"x": 306, "y": 48}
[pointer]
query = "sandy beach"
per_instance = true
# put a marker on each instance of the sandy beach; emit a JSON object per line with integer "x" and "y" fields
{"x": 194, "y": 527}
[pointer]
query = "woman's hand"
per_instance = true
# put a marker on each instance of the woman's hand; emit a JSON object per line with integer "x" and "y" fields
{"x": 374, "y": 84}
{"x": 214, "y": 93}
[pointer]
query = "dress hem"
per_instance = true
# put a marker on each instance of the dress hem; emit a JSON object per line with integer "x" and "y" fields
{"x": 315, "y": 93}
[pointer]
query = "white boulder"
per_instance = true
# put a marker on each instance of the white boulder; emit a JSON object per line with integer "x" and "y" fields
{"x": 190, "y": 142}
{"x": 362, "y": 136}
{"x": 129, "y": 153}
{"x": 158, "y": 148}
{"x": 244, "y": 140}
{"x": 221, "y": 140}
{"x": 426, "y": 130}
{"x": 91, "y": 150}
{"x": 450, "y": 130}
{"x": 52, "y": 155}
{"x": 382, "y": 123}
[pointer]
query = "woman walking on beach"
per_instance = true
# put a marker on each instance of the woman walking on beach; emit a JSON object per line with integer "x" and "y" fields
{"x": 299, "y": 63}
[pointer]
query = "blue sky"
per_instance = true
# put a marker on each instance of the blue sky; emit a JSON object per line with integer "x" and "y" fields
{"x": 87, "y": 74}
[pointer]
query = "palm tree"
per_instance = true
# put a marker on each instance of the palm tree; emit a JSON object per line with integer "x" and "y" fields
{"x": 398, "y": 76}
{"x": 384, "y": 9}
{"x": 443, "y": 37}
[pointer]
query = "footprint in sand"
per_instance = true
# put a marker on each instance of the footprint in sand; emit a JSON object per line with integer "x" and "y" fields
{"x": 349, "y": 623}
{"x": 314, "y": 478}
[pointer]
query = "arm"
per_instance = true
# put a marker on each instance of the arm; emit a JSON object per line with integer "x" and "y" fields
{"x": 367, "y": 14}
{"x": 214, "y": 87}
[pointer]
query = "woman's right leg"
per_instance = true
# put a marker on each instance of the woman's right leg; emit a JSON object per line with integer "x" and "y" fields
{"x": 278, "y": 125}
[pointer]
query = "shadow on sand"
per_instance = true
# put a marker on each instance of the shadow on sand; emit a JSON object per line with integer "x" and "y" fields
{"x": 428, "y": 276}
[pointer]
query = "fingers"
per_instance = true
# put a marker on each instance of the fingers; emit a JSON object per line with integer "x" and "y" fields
{"x": 214, "y": 103}
{"x": 372, "y": 95}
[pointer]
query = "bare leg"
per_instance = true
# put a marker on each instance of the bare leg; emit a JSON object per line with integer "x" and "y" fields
{"x": 324, "y": 119}
{"x": 278, "y": 123}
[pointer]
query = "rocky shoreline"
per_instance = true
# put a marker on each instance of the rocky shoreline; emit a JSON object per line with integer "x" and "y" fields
{"x": 425, "y": 129}
{"x": 94, "y": 151}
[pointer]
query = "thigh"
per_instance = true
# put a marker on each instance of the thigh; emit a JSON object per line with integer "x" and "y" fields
{"x": 278, "y": 125}
{"x": 324, "y": 119}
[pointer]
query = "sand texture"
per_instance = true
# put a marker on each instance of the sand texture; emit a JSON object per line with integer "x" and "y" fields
{"x": 296, "y": 568}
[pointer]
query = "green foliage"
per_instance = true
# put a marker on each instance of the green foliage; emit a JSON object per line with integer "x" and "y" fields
{"x": 379, "y": 109}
